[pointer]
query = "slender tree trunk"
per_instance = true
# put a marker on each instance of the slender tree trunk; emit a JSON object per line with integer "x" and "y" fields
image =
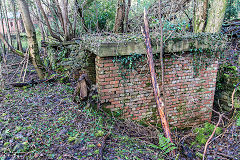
{"x": 66, "y": 23}
{"x": 3, "y": 30}
{"x": 200, "y": 15}
{"x": 161, "y": 53}
{"x": 119, "y": 19}
{"x": 97, "y": 24}
{"x": 40, "y": 21}
{"x": 7, "y": 22}
{"x": 32, "y": 40}
{"x": 47, "y": 22}
{"x": 216, "y": 14}
{"x": 80, "y": 9}
{"x": 75, "y": 18}
{"x": 127, "y": 15}
{"x": 59, "y": 14}
{"x": 160, "y": 104}
{"x": 11, "y": 48}
{"x": 19, "y": 44}
{"x": 21, "y": 24}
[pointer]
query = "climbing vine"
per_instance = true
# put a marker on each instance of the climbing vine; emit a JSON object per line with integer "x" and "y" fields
{"x": 128, "y": 63}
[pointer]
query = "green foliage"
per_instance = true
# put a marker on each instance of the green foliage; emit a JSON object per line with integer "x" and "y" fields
{"x": 103, "y": 12}
{"x": 228, "y": 76}
{"x": 128, "y": 63}
{"x": 164, "y": 145}
{"x": 202, "y": 134}
{"x": 232, "y": 9}
{"x": 99, "y": 133}
{"x": 238, "y": 121}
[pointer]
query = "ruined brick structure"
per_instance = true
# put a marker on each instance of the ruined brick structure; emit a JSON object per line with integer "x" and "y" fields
{"x": 189, "y": 96}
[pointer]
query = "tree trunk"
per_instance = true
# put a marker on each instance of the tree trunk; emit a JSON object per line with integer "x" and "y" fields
{"x": 66, "y": 23}
{"x": 119, "y": 19}
{"x": 216, "y": 14}
{"x": 160, "y": 104}
{"x": 200, "y": 15}
{"x": 19, "y": 44}
{"x": 32, "y": 40}
{"x": 80, "y": 9}
{"x": 47, "y": 22}
{"x": 127, "y": 15}
{"x": 11, "y": 48}
{"x": 3, "y": 30}
{"x": 161, "y": 52}
{"x": 59, "y": 13}
{"x": 7, "y": 22}
{"x": 40, "y": 20}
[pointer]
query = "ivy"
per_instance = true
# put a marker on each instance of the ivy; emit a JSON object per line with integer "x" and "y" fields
{"x": 128, "y": 63}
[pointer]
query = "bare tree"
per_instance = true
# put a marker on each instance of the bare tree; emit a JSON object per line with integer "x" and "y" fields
{"x": 39, "y": 5}
{"x": 5, "y": 10}
{"x": 19, "y": 44}
{"x": 32, "y": 40}
{"x": 3, "y": 28}
{"x": 66, "y": 23}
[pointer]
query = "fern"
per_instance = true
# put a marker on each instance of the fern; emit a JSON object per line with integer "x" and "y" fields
{"x": 164, "y": 144}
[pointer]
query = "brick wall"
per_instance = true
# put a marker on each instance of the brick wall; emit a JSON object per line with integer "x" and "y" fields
{"x": 189, "y": 97}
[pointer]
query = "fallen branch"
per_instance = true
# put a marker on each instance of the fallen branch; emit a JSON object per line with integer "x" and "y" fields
{"x": 102, "y": 146}
{"x": 158, "y": 98}
{"x": 224, "y": 155}
{"x": 233, "y": 93}
{"x": 11, "y": 47}
{"x": 206, "y": 145}
{"x": 32, "y": 82}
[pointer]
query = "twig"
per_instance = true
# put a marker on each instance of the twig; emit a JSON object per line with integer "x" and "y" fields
{"x": 27, "y": 59}
{"x": 206, "y": 145}
{"x": 224, "y": 155}
{"x": 102, "y": 145}
{"x": 233, "y": 95}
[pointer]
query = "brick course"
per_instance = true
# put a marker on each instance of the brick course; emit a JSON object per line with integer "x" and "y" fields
{"x": 189, "y": 97}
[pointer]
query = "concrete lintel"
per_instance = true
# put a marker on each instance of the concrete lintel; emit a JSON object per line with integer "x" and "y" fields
{"x": 128, "y": 48}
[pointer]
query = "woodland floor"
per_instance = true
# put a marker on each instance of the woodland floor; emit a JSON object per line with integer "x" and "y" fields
{"x": 42, "y": 122}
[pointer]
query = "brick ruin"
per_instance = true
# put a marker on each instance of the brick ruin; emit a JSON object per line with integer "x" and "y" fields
{"x": 189, "y": 96}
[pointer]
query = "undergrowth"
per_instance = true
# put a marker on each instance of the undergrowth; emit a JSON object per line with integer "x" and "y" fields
{"x": 203, "y": 133}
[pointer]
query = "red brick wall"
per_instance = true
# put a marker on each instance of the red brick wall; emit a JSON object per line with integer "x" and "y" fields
{"x": 189, "y": 97}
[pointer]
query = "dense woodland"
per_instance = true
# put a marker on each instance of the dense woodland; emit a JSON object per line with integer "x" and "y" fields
{"x": 49, "y": 109}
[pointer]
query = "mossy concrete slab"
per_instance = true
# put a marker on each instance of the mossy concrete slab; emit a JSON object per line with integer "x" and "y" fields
{"x": 128, "y": 48}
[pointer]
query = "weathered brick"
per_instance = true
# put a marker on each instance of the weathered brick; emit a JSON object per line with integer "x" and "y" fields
{"x": 182, "y": 89}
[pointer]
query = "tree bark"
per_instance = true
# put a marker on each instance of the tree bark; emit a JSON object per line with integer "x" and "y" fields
{"x": 32, "y": 40}
{"x": 200, "y": 15}
{"x": 119, "y": 19}
{"x": 127, "y": 15}
{"x": 16, "y": 26}
{"x": 216, "y": 14}
{"x": 160, "y": 104}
